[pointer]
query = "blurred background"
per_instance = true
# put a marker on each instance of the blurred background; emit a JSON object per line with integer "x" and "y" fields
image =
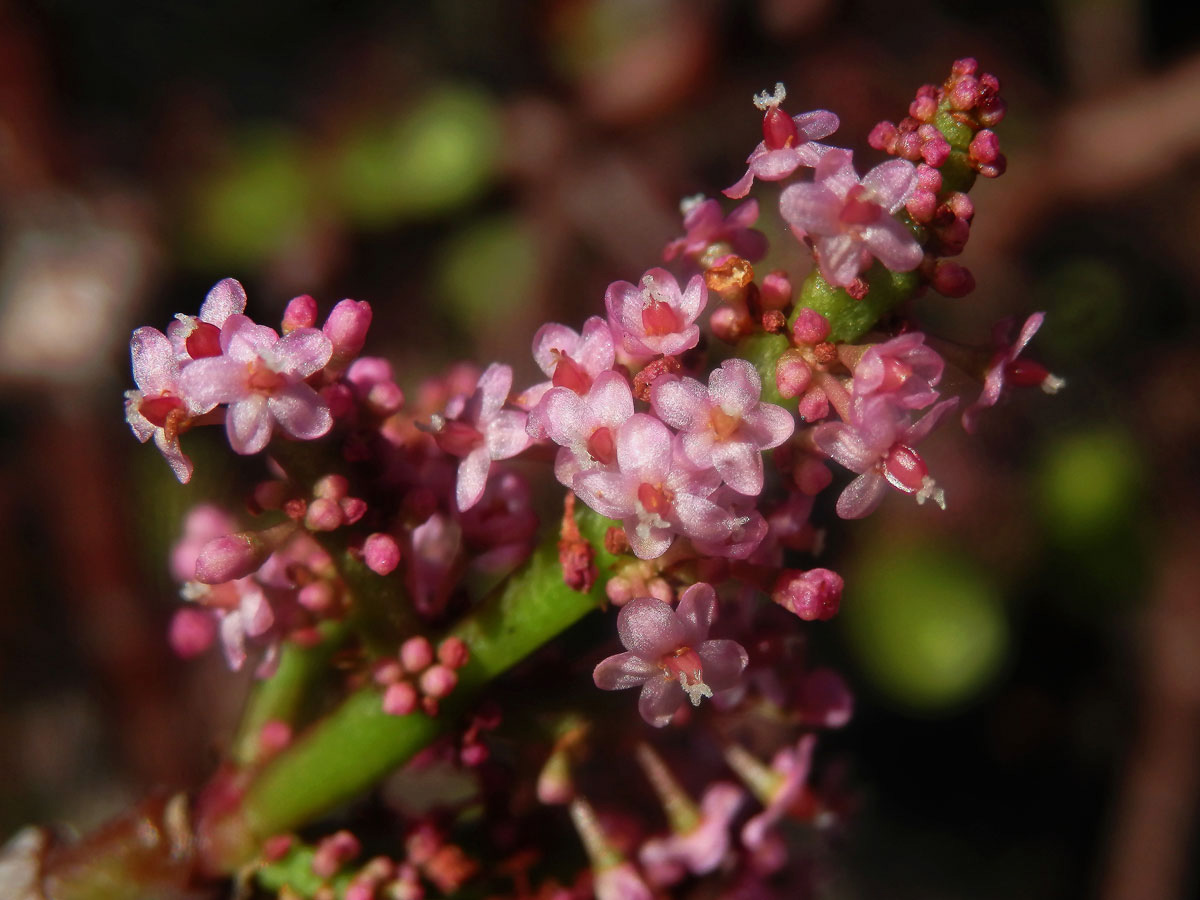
{"x": 1027, "y": 663}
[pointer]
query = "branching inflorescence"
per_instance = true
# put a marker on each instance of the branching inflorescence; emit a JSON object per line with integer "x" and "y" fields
{"x": 695, "y": 422}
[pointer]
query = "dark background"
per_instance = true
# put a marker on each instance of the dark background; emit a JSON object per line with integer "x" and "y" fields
{"x": 1027, "y": 663}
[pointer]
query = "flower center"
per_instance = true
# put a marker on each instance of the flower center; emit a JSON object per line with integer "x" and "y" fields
{"x": 684, "y": 666}
{"x": 457, "y": 438}
{"x": 895, "y": 373}
{"x": 857, "y": 209}
{"x": 655, "y": 499}
{"x": 658, "y": 318}
{"x": 569, "y": 374}
{"x": 156, "y": 410}
{"x": 779, "y": 131}
{"x": 264, "y": 379}
{"x": 602, "y": 448}
{"x": 905, "y": 469}
{"x": 205, "y": 340}
{"x": 722, "y": 423}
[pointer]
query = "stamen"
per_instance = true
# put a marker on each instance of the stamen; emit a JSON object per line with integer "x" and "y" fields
{"x": 764, "y": 101}
{"x": 930, "y": 491}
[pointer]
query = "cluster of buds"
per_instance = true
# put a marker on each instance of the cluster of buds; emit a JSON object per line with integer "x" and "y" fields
{"x": 416, "y": 679}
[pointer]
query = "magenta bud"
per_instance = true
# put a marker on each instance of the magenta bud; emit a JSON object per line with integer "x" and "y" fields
{"x": 229, "y": 557}
{"x": 775, "y": 292}
{"x": 438, "y": 681}
{"x": 952, "y": 237}
{"x": 388, "y": 672}
{"x": 340, "y": 399}
{"x": 952, "y": 280}
{"x": 400, "y": 699}
{"x": 928, "y": 179}
{"x": 192, "y": 632}
{"x": 811, "y": 476}
{"x": 883, "y": 137}
{"x": 453, "y": 652}
{"x": 810, "y": 327}
{"x": 347, "y": 327}
{"x": 301, "y": 312}
{"x": 908, "y": 146}
{"x": 331, "y": 487}
{"x": 381, "y": 553}
{"x": 792, "y": 373}
{"x": 985, "y": 147}
{"x": 991, "y": 112}
{"x": 333, "y": 852}
{"x": 924, "y": 107}
{"x": 316, "y": 596}
{"x": 813, "y": 595}
{"x": 270, "y": 494}
{"x": 968, "y": 65}
{"x": 814, "y": 405}
{"x": 353, "y": 509}
{"x": 473, "y": 755}
{"x": 416, "y": 654}
{"x": 385, "y": 398}
{"x": 273, "y": 737}
{"x": 323, "y": 515}
{"x": 964, "y": 93}
{"x": 961, "y": 205}
{"x": 921, "y": 205}
{"x": 936, "y": 150}
{"x": 994, "y": 169}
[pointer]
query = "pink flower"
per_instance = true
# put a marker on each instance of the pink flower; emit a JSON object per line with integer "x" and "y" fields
{"x": 654, "y": 490}
{"x": 585, "y": 427}
{"x": 788, "y": 142}
{"x": 195, "y": 337}
{"x": 479, "y": 430}
{"x": 791, "y": 767}
{"x": 851, "y": 220}
{"x": 669, "y": 656}
{"x": 573, "y": 360}
{"x": 878, "y": 443}
{"x": 655, "y": 317}
{"x": 160, "y": 408}
{"x": 724, "y": 425}
{"x": 702, "y": 848}
{"x": 707, "y": 228}
{"x": 903, "y": 368}
{"x": 261, "y": 377}
{"x": 1007, "y": 368}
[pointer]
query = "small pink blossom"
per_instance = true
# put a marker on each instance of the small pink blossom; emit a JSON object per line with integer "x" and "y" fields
{"x": 195, "y": 337}
{"x": 707, "y": 229}
{"x": 903, "y": 368}
{"x": 585, "y": 427}
{"x": 669, "y": 655}
{"x": 788, "y": 142}
{"x": 261, "y": 377}
{"x": 654, "y": 490}
{"x": 790, "y": 766}
{"x": 655, "y": 317}
{"x": 702, "y": 848}
{"x": 572, "y": 359}
{"x": 878, "y": 443}
{"x": 1007, "y": 368}
{"x": 479, "y": 430}
{"x": 851, "y": 219}
{"x": 724, "y": 425}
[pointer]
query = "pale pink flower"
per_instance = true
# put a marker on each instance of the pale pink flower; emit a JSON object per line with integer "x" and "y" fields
{"x": 261, "y": 377}
{"x": 1007, "y": 368}
{"x": 724, "y": 425}
{"x": 878, "y": 443}
{"x": 160, "y": 408}
{"x": 585, "y": 427}
{"x": 669, "y": 656}
{"x": 851, "y": 220}
{"x": 706, "y": 227}
{"x": 788, "y": 142}
{"x": 790, "y": 766}
{"x": 903, "y": 368}
{"x": 195, "y": 337}
{"x": 654, "y": 490}
{"x": 479, "y": 430}
{"x": 654, "y": 317}
{"x": 701, "y": 849}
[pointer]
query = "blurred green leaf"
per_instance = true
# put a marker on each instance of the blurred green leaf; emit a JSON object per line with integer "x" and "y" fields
{"x": 255, "y": 205}
{"x": 1087, "y": 485}
{"x": 439, "y": 155}
{"x": 926, "y": 625}
{"x": 487, "y": 270}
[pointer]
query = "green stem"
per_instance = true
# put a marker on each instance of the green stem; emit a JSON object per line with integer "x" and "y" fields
{"x": 358, "y": 743}
{"x": 283, "y": 696}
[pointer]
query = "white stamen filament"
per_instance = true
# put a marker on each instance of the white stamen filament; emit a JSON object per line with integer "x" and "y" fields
{"x": 764, "y": 101}
{"x": 930, "y": 491}
{"x": 696, "y": 691}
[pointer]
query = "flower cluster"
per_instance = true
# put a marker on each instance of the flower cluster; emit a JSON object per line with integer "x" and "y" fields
{"x": 695, "y": 420}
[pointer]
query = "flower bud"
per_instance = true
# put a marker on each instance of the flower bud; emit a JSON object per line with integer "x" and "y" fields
{"x": 812, "y": 595}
